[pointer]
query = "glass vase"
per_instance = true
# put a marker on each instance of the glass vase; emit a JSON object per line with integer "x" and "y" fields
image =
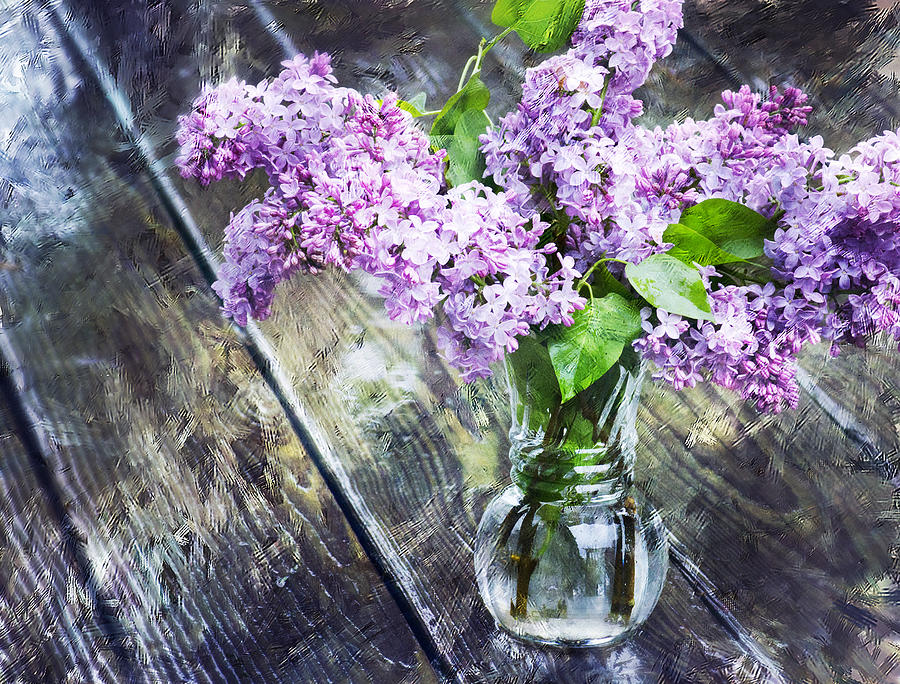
{"x": 571, "y": 554}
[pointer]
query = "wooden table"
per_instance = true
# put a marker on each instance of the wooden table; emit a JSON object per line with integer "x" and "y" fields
{"x": 183, "y": 500}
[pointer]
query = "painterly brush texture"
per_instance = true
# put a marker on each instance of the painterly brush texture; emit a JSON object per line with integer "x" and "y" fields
{"x": 184, "y": 501}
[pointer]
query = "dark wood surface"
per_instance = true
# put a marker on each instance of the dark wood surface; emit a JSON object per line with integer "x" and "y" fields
{"x": 185, "y": 501}
{"x": 219, "y": 551}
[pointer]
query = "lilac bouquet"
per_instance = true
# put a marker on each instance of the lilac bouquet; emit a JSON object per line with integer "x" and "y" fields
{"x": 714, "y": 248}
{"x": 572, "y": 242}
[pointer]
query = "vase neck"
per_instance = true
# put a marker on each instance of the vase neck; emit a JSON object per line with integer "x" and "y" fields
{"x": 581, "y": 450}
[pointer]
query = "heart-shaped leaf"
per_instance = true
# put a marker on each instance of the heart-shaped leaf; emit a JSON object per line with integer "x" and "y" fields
{"x": 730, "y": 226}
{"x": 543, "y": 25}
{"x": 690, "y": 246}
{"x": 473, "y": 96}
{"x": 670, "y": 284}
{"x": 465, "y": 160}
{"x": 584, "y": 351}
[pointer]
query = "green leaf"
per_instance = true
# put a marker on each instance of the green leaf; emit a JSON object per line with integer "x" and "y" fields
{"x": 464, "y": 158}
{"x": 690, "y": 246}
{"x": 603, "y": 282}
{"x": 440, "y": 142}
{"x": 415, "y": 106}
{"x": 584, "y": 351}
{"x": 456, "y": 129}
{"x": 535, "y": 380}
{"x": 418, "y": 101}
{"x": 543, "y": 25}
{"x": 507, "y": 12}
{"x": 473, "y": 96}
{"x": 730, "y": 226}
{"x": 670, "y": 284}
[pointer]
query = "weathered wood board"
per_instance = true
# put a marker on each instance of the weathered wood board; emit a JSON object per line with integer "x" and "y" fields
{"x": 220, "y": 551}
{"x": 51, "y": 631}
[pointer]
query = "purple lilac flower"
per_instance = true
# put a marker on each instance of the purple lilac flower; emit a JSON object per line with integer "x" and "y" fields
{"x": 355, "y": 185}
{"x": 745, "y": 153}
{"x": 622, "y": 185}
{"x": 835, "y": 256}
{"x": 258, "y": 257}
{"x": 340, "y": 164}
{"x": 498, "y": 284}
{"x": 235, "y": 127}
{"x": 584, "y": 93}
{"x": 855, "y": 248}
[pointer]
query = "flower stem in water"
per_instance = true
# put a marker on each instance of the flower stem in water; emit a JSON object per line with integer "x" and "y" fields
{"x": 525, "y": 564}
{"x": 623, "y": 576}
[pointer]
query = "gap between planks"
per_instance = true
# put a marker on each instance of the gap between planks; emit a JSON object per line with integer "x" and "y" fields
{"x": 25, "y": 410}
{"x": 392, "y": 569}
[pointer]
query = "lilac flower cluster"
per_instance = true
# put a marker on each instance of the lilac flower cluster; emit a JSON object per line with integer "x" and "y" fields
{"x": 235, "y": 128}
{"x": 835, "y": 256}
{"x": 498, "y": 283}
{"x": 850, "y": 265}
{"x": 571, "y": 148}
{"x": 745, "y": 153}
{"x": 582, "y": 98}
{"x": 354, "y": 185}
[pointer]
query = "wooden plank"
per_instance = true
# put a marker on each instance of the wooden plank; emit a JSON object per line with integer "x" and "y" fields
{"x": 784, "y": 526}
{"x": 54, "y": 625}
{"x": 50, "y": 630}
{"x": 836, "y": 56}
{"x": 224, "y": 554}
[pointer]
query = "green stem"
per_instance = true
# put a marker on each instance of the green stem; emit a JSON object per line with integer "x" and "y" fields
{"x": 584, "y": 278}
{"x": 483, "y": 48}
{"x": 465, "y": 72}
{"x": 622, "y": 602}
{"x": 525, "y": 564}
{"x": 496, "y": 39}
{"x": 583, "y": 281}
{"x": 509, "y": 522}
{"x": 551, "y": 433}
{"x": 597, "y": 113}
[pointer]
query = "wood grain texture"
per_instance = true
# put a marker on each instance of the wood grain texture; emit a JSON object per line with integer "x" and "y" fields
{"x": 223, "y": 555}
{"x": 794, "y": 536}
{"x": 50, "y": 628}
{"x": 788, "y": 531}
